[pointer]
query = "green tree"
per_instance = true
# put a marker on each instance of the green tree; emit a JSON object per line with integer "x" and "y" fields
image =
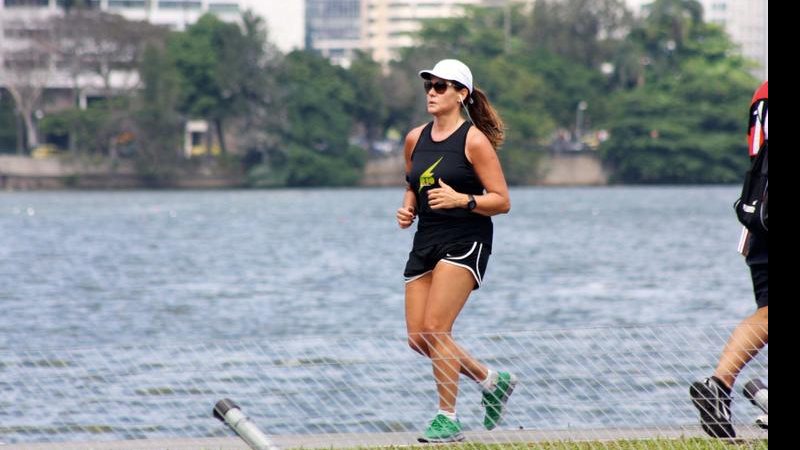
{"x": 564, "y": 84}
{"x": 584, "y": 31}
{"x": 87, "y": 129}
{"x": 685, "y": 123}
{"x": 320, "y": 102}
{"x": 369, "y": 104}
{"x": 221, "y": 68}
{"x": 92, "y": 44}
{"x": 250, "y": 70}
{"x": 315, "y": 147}
{"x": 156, "y": 118}
{"x": 519, "y": 94}
{"x": 196, "y": 56}
{"x": 8, "y": 124}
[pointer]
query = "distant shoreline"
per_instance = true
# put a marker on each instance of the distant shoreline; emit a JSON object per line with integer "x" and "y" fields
{"x": 23, "y": 173}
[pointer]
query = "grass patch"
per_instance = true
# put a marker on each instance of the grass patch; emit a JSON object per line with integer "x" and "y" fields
{"x": 645, "y": 444}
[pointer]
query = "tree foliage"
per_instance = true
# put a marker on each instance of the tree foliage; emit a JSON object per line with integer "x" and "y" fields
{"x": 685, "y": 122}
{"x": 668, "y": 87}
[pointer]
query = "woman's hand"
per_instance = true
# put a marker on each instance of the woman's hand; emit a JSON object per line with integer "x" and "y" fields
{"x": 406, "y": 216}
{"x": 444, "y": 197}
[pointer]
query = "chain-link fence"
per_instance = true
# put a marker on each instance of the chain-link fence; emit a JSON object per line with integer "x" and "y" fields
{"x": 574, "y": 384}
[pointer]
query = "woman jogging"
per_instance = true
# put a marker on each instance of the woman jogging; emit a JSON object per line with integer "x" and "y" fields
{"x": 455, "y": 185}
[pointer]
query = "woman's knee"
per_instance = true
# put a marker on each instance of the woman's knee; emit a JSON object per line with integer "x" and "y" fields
{"x": 434, "y": 333}
{"x": 417, "y": 343}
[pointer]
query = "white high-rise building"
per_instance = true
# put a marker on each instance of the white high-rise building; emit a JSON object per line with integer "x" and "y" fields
{"x": 333, "y": 28}
{"x": 389, "y": 25}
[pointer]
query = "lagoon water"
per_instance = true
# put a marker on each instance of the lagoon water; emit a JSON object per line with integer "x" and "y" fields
{"x": 150, "y": 287}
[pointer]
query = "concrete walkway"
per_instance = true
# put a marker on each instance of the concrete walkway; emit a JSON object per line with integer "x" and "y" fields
{"x": 362, "y": 440}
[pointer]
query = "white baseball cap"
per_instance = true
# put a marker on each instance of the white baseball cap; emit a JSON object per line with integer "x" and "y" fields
{"x": 452, "y": 70}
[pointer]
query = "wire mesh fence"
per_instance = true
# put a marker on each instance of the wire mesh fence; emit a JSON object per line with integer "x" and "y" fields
{"x": 574, "y": 384}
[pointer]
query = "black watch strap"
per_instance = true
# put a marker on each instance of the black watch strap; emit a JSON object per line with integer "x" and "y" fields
{"x": 471, "y": 203}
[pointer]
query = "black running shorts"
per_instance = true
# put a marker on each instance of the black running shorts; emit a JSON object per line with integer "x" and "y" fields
{"x": 760, "y": 275}
{"x": 473, "y": 256}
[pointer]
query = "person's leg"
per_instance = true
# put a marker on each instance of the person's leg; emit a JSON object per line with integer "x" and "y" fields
{"x": 712, "y": 396}
{"x": 416, "y": 304}
{"x": 417, "y": 293}
{"x": 749, "y": 337}
{"x": 449, "y": 290}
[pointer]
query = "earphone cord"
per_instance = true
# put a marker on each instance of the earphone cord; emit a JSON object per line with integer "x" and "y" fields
{"x": 466, "y": 109}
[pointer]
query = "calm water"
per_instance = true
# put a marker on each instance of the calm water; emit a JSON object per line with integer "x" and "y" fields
{"x": 159, "y": 271}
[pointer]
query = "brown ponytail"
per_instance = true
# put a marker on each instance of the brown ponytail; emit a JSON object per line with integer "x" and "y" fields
{"x": 486, "y": 118}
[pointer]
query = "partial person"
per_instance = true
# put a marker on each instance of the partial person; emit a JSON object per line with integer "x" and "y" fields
{"x": 712, "y": 396}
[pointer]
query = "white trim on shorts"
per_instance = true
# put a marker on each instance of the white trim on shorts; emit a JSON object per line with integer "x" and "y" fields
{"x": 476, "y": 273}
{"x": 456, "y": 258}
{"x": 417, "y": 277}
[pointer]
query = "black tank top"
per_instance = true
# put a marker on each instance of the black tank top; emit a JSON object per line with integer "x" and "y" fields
{"x": 431, "y": 161}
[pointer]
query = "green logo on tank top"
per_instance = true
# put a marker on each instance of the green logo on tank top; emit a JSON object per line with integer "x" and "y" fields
{"x": 427, "y": 178}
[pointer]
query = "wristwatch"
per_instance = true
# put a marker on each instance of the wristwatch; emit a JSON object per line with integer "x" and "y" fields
{"x": 471, "y": 203}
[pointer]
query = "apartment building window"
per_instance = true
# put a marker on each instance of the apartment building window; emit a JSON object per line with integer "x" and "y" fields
{"x": 333, "y": 8}
{"x": 93, "y": 4}
{"x": 169, "y": 4}
{"x": 25, "y": 3}
{"x": 332, "y": 19}
{"x": 127, "y": 4}
{"x": 223, "y": 7}
{"x": 25, "y": 61}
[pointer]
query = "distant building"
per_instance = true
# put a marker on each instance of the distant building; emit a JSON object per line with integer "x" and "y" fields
{"x": 389, "y": 25}
{"x": 21, "y": 21}
{"x": 24, "y": 24}
{"x": 175, "y": 14}
{"x": 333, "y": 28}
{"x": 339, "y": 28}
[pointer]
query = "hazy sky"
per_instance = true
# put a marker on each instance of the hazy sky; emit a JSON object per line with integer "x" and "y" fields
{"x": 285, "y": 20}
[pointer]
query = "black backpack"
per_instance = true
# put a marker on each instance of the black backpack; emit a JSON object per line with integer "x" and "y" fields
{"x": 752, "y": 208}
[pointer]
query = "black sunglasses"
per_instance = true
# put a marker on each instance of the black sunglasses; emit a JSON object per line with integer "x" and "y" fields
{"x": 440, "y": 86}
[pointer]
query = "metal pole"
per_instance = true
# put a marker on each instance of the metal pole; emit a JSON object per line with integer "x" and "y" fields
{"x": 582, "y": 106}
{"x": 227, "y": 411}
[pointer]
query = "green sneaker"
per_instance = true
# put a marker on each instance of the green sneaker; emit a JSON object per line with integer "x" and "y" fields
{"x": 442, "y": 429}
{"x": 495, "y": 401}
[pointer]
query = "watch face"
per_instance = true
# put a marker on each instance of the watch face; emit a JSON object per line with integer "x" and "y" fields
{"x": 472, "y": 203}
